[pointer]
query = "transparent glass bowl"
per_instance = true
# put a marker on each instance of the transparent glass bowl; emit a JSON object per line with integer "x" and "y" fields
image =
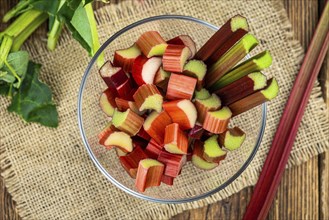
{"x": 193, "y": 183}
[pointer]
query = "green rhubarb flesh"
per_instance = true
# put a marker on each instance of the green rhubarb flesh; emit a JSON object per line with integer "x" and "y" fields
{"x": 259, "y": 80}
{"x": 212, "y": 148}
{"x": 223, "y": 113}
{"x": 203, "y": 164}
{"x": 232, "y": 142}
{"x": 119, "y": 117}
{"x": 238, "y": 22}
{"x": 202, "y": 94}
{"x": 157, "y": 50}
{"x": 147, "y": 163}
{"x": 195, "y": 68}
{"x": 212, "y": 102}
{"x": 130, "y": 52}
{"x": 173, "y": 148}
{"x": 272, "y": 90}
{"x": 152, "y": 102}
{"x": 254, "y": 64}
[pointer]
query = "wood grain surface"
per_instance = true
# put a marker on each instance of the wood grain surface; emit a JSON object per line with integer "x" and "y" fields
{"x": 304, "y": 189}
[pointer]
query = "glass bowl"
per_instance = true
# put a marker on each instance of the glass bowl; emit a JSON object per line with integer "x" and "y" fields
{"x": 193, "y": 183}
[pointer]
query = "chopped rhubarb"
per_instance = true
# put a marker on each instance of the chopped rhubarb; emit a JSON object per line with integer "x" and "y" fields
{"x": 155, "y": 125}
{"x": 236, "y": 26}
{"x": 212, "y": 152}
{"x": 216, "y": 122}
{"x": 120, "y": 152}
{"x": 202, "y": 94}
{"x": 103, "y": 135}
{"x": 254, "y": 64}
{"x": 173, "y": 163}
{"x": 127, "y": 121}
{"x": 143, "y": 134}
{"x": 153, "y": 149}
{"x": 175, "y": 139}
{"x": 123, "y": 105}
{"x": 119, "y": 139}
{"x": 230, "y": 59}
{"x": 198, "y": 160}
{"x": 241, "y": 88}
{"x": 148, "y": 97}
{"x": 125, "y": 90}
{"x": 175, "y": 57}
{"x": 161, "y": 78}
{"x": 149, "y": 174}
{"x": 113, "y": 76}
{"x": 180, "y": 87}
{"x": 168, "y": 180}
{"x": 125, "y": 57}
{"x": 196, "y": 69}
{"x": 151, "y": 44}
{"x": 196, "y": 132}
{"x": 144, "y": 69}
{"x": 182, "y": 112}
{"x": 257, "y": 98}
{"x": 130, "y": 161}
{"x": 186, "y": 41}
{"x": 107, "y": 101}
{"x": 204, "y": 105}
{"x": 232, "y": 138}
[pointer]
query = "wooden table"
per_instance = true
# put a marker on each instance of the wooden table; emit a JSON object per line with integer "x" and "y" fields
{"x": 304, "y": 190}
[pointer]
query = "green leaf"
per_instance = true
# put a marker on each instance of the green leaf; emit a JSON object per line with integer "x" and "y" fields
{"x": 5, "y": 89}
{"x": 7, "y": 77}
{"x": 33, "y": 100}
{"x": 19, "y": 61}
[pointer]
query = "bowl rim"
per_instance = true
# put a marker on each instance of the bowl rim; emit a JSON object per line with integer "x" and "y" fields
{"x": 103, "y": 170}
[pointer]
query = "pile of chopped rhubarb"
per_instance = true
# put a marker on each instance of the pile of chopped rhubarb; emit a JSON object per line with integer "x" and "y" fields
{"x": 170, "y": 103}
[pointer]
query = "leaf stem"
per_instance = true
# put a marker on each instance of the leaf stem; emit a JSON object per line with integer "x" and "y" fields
{"x": 5, "y": 47}
{"x": 55, "y": 31}
{"x": 12, "y": 70}
{"x": 15, "y": 10}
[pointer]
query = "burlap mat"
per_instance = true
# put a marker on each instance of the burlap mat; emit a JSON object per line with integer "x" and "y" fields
{"x": 48, "y": 171}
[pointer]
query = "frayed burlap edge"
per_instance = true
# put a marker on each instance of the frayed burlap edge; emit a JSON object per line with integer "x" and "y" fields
{"x": 120, "y": 11}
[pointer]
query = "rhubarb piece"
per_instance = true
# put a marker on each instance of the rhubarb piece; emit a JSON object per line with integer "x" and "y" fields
{"x": 232, "y": 138}
{"x": 120, "y": 152}
{"x": 175, "y": 140}
{"x": 113, "y": 76}
{"x": 236, "y": 27}
{"x": 143, "y": 134}
{"x": 155, "y": 125}
{"x": 151, "y": 44}
{"x": 212, "y": 152}
{"x": 153, "y": 149}
{"x": 186, "y": 41}
{"x": 123, "y": 105}
{"x": 216, "y": 122}
{"x": 180, "y": 87}
{"x": 149, "y": 174}
{"x": 196, "y": 132}
{"x": 144, "y": 69}
{"x": 204, "y": 105}
{"x": 125, "y": 90}
{"x": 119, "y": 139}
{"x": 202, "y": 94}
{"x": 175, "y": 57}
{"x": 168, "y": 180}
{"x": 254, "y": 64}
{"x": 130, "y": 161}
{"x": 197, "y": 158}
{"x": 196, "y": 69}
{"x": 126, "y": 57}
{"x": 161, "y": 78}
{"x": 148, "y": 97}
{"x": 241, "y": 88}
{"x": 127, "y": 121}
{"x": 257, "y": 98}
{"x": 105, "y": 133}
{"x": 182, "y": 112}
{"x": 173, "y": 163}
{"x": 107, "y": 101}
{"x": 230, "y": 59}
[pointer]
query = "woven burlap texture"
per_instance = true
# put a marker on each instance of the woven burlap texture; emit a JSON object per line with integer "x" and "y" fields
{"x": 48, "y": 171}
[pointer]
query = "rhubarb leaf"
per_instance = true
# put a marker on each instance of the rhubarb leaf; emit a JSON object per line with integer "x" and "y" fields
{"x": 33, "y": 100}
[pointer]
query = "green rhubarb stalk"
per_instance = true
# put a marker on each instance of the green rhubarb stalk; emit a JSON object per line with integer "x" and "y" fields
{"x": 15, "y": 10}
{"x": 5, "y": 46}
{"x": 254, "y": 64}
{"x": 55, "y": 31}
{"x": 94, "y": 33}
{"x": 29, "y": 29}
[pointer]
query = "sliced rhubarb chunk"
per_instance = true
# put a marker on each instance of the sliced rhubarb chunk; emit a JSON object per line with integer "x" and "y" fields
{"x": 149, "y": 174}
{"x": 130, "y": 161}
{"x": 155, "y": 125}
{"x": 105, "y": 133}
{"x": 168, "y": 180}
{"x": 107, "y": 101}
{"x": 120, "y": 152}
{"x": 198, "y": 160}
{"x": 175, "y": 57}
{"x": 173, "y": 163}
{"x": 144, "y": 69}
{"x": 127, "y": 121}
{"x": 151, "y": 44}
{"x": 143, "y": 134}
{"x": 232, "y": 139}
{"x": 153, "y": 149}
{"x": 182, "y": 112}
{"x": 121, "y": 140}
{"x": 212, "y": 152}
{"x": 125, "y": 58}
{"x": 204, "y": 105}
{"x": 216, "y": 122}
{"x": 175, "y": 140}
{"x": 186, "y": 41}
{"x": 196, "y": 69}
{"x": 148, "y": 97}
{"x": 125, "y": 90}
{"x": 112, "y": 76}
{"x": 202, "y": 94}
{"x": 123, "y": 105}
{"x": 196, "y": 132}
{"x": 180, "y": 87}
{"x": 161, "y": 79}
